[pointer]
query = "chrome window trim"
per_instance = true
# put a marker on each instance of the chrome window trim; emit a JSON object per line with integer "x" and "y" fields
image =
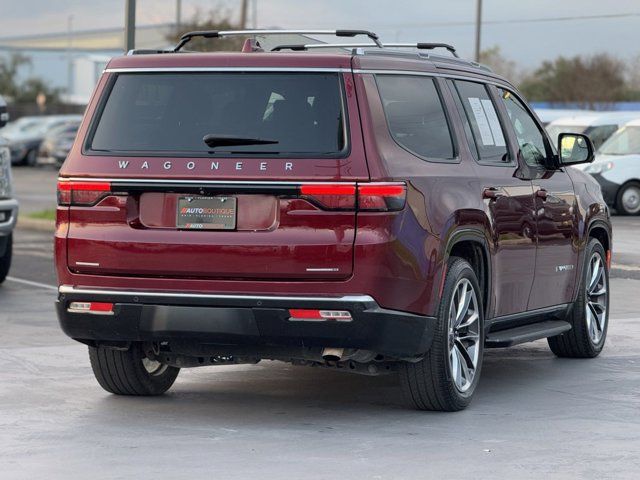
{"x": 470, "y": 78}
{"x": 68, "y": 289}
{"x": 225, "y": 69}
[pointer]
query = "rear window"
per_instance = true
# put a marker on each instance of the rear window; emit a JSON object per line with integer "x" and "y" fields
{"x": 299, "y": 114}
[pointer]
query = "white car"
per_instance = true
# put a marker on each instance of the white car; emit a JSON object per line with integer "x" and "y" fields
{"x": 599, "y": 126}
{"x": 617, "y": 169}
{"x": 8, "y": 205}
{"x": 548, "y": 115}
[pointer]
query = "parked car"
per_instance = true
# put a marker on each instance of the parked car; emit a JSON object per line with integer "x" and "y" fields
{"x": 617, "y": 169}
{"x": 368, "y": 210}
{"x": 598, "y": 126}
{"x": 8, "y": 205}
{"x": 57, "y": 143}
{"x": 548, "y": 115}
{"x": 27, "y": 133}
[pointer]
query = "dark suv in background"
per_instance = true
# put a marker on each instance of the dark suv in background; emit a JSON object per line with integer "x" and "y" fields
{"x": 364, "y": 208}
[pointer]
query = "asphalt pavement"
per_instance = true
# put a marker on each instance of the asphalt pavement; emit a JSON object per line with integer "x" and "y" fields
{"x": 534, "y": 416}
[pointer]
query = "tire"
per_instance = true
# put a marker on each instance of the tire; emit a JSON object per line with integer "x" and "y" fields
{"x": 580, "y": 341}
{"x": 5, "y": 260}
{"x": 628, "y": 199}
{"x": 31, "y": 158}
{"x": 124, "y": 373}
{"x": 429, "y": 384}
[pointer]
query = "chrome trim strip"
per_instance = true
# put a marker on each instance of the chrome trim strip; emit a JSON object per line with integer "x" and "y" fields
{"x": 160, "y": 181}
{"x": 88, "y": 312}
{"x": 67, "y": 289}
{"x": 226, "y": 69}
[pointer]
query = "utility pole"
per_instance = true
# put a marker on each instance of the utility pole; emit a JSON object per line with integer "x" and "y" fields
{"x": 69, "y": 56}
{"x": 130, "y": 25}
{"x": 243, "y": 15}
{"x": 478, "y": 28}
{"x": 178, "y": 16}
{"x": 254, "y": 14}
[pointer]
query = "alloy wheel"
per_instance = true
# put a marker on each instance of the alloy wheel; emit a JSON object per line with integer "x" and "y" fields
{"x": 596, "y": 304}
{"x": 464, "y": 335}
{"x": 153, "y": 367}
{"x": 631, "y": 199}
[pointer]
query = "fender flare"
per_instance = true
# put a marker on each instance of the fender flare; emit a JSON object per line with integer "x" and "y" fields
{"x": 477, "y": 235}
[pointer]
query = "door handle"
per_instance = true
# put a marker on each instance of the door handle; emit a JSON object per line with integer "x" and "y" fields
{"x": 492, "y": 193}
{"x": 542, "y": 193}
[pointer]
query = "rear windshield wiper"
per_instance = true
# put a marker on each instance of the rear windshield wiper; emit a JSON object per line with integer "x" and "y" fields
{"x": 213, "y": 140}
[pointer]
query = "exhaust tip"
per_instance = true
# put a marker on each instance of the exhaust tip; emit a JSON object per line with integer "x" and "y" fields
{"x": 331, "y": 354}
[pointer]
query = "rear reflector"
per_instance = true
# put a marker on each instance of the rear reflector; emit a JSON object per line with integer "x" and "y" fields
{"x": 96, "y": 308}
{"x": 304, "y": 315}
{"x": 81, "y": 193}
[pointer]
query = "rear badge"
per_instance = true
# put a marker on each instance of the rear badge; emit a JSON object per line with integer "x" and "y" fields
{"x": 564, "y": 268}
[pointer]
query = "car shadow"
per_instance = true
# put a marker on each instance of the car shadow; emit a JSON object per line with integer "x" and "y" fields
{"x": 274, "y": 394}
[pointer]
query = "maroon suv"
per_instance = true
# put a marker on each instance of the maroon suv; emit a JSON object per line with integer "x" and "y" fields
{"x": 365, "y": 208}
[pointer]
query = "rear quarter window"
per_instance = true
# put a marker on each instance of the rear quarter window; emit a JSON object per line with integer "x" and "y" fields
{"x": 415, "y": 116}
{"x": 303, "y": 114}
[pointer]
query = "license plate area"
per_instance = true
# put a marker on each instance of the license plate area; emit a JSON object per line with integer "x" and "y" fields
{"x": 206, "y": 213}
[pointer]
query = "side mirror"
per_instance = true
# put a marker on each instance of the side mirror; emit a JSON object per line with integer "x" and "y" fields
{"x": 574, "y": 148}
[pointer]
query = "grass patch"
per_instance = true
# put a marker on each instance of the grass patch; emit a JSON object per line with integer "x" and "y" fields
{"x": 49, "y": 214}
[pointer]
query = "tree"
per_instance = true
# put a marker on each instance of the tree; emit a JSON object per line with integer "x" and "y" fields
{"x": 633, "y": 79}
{"x": 9, "y": 69}
{"x": 582, "y": 80}
{"x": 23, "y": 91}
{"x": 212, "y": 20}
{"x": 493, "y": 58}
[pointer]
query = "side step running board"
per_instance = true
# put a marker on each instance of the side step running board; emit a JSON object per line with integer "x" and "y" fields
{"x": 526, "y": 333}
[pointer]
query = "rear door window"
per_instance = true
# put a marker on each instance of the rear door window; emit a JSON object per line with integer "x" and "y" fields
{"x": 481, "y": 115}
{"x": 300, "y": 114}
{"x": 415, "y": 116}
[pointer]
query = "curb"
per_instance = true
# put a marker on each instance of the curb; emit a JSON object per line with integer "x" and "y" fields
{"x": 35, "y": 224}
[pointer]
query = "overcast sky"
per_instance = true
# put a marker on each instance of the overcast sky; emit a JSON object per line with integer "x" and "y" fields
{"x": 394, "y": 20}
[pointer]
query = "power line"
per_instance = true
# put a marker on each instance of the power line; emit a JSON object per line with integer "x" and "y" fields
{"x": 519, "y": 20}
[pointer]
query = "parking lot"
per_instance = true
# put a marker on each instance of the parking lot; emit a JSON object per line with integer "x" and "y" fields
{"x": 534, "y": 415}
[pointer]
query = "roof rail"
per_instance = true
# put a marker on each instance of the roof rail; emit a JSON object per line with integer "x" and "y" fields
{"x": 186, "y": 38}
{"x": 419, "y": 46}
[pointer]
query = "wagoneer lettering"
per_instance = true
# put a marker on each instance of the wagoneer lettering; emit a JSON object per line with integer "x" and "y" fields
{"x": 360, "y": 208}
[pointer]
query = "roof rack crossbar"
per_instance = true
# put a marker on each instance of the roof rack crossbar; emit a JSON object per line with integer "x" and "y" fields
{"x": 186, "y": 38}
{"x": 419, "y": 46}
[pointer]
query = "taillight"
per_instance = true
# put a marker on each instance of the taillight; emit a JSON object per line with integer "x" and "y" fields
{"x": 331, "y": 195}
{"x": 382, "y": 197}
{"x": 81, "y": 193}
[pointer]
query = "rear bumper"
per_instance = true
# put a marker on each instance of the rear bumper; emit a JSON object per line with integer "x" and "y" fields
{"x": 244, "y": 320}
